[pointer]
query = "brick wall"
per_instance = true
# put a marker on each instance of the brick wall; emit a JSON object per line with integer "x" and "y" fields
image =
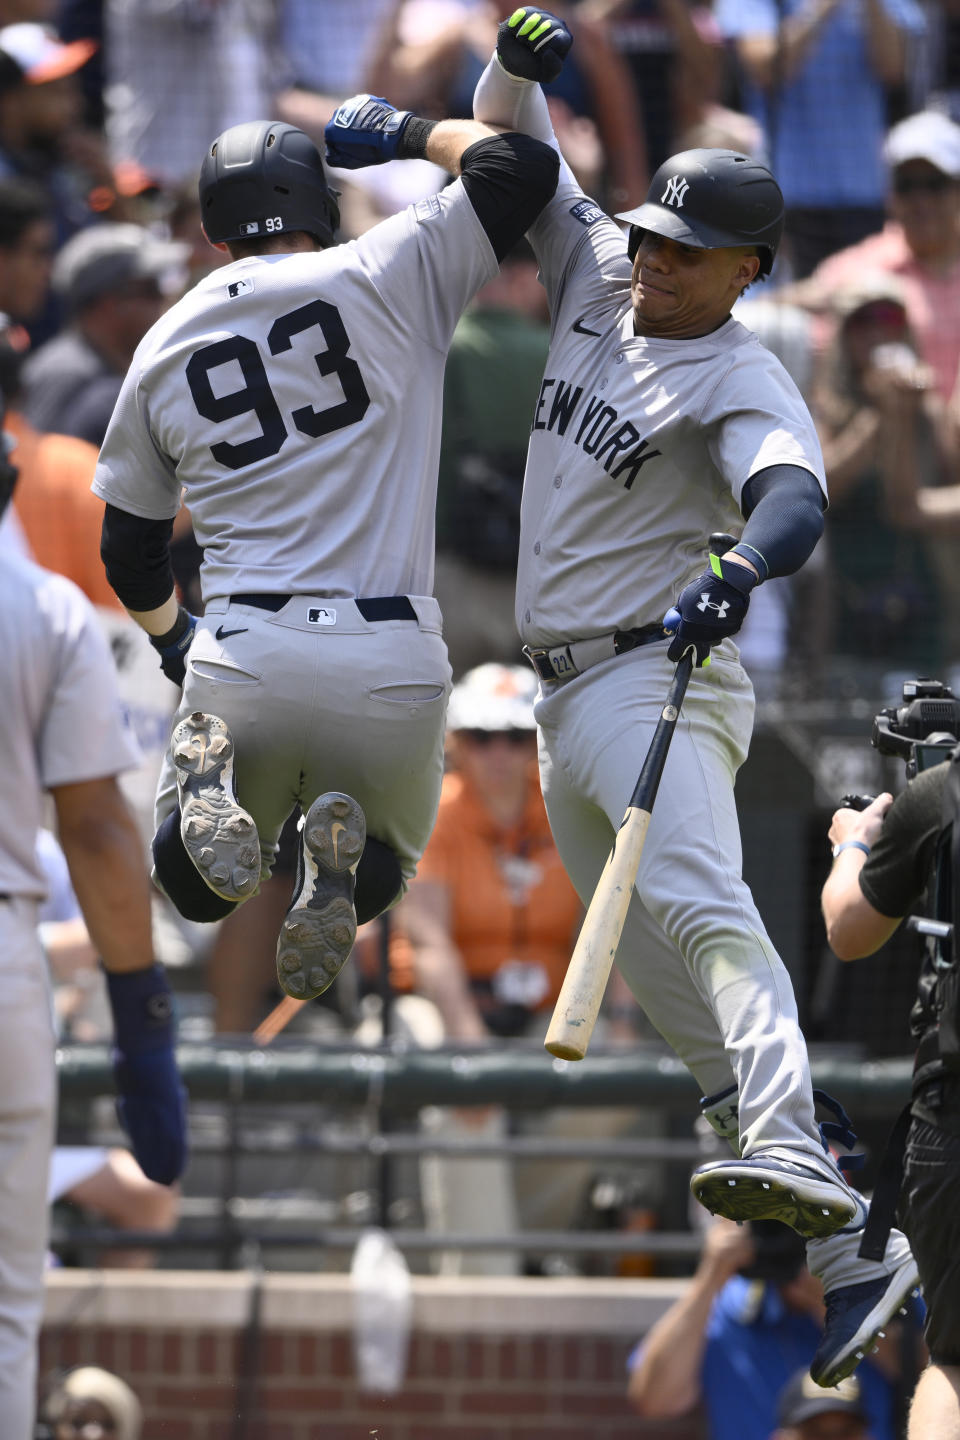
{"x": 488, "y": 1359}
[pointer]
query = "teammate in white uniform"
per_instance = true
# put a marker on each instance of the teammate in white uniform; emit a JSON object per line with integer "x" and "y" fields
{"x": 295, "y": 395}
{"x": 661, "y": 420}
{"x": 64, "y": 732}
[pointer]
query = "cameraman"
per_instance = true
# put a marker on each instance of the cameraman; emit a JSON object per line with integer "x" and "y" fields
{"x": 750, "y": 1317}
{"x": 884, "y": 860}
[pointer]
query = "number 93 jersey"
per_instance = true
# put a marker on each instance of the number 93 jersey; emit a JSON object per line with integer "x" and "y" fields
{"x": 294, "y": 401}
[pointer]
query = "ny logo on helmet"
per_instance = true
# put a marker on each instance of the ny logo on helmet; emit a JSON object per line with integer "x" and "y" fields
{"x": 721, "y": 606}
{"x": 674, "y": 194}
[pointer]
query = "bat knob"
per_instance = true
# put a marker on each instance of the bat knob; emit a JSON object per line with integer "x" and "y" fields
{"x": 720, "y": 542}
{"x": 671, "y": 620}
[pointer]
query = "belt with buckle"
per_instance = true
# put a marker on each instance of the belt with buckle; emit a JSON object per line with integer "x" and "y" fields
{"x": 372, "y": 608}
{"x": 563, "y": 662}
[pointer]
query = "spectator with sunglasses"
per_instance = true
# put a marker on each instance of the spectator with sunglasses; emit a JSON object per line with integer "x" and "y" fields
{"x": 920, "y": 243}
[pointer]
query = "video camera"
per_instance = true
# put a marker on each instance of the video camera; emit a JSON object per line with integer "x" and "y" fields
{"x": 922, "y": 730}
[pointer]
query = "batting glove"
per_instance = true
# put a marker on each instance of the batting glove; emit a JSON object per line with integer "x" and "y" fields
{"x": 709, "y": 609}
{"x": 173, "y": 646}
{"x": 533, "y": 44}
{"x": 365, "y": 130}
{"x": 151, "y": 1100}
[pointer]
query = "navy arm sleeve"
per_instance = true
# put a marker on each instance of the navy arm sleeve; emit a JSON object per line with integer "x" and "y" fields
{"x": 784, "y": 507}
{"x": 509, "y": 178}
{"x": 136, "y": 556}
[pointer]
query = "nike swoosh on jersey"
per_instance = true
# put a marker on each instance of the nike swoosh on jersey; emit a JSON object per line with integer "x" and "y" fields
{"x": 582, "y": 329}
{"x": 223, "y": 634}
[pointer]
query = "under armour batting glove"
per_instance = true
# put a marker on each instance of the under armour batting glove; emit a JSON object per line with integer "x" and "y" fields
{"x": 151, "y": 1100}
{"x": 365, "y": 130}
{"x": 533, "y": 44}
{"x": 173, "y": 646}
{"x": 709, "y": 609}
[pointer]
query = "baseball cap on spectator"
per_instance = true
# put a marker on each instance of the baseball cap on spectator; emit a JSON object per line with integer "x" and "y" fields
{"x": 926, "y": 136}
{"x": 494, "y": 697}
{"x": 105, "y": 257}
{"x": 39, "y": 55}
{"x": 801, "y": 1400}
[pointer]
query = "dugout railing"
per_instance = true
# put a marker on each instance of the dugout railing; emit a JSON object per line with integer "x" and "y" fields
{"x": 343, "y": 1105}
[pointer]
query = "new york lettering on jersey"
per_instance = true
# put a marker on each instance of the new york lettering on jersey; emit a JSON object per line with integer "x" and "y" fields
{"x": 599, "y": 431}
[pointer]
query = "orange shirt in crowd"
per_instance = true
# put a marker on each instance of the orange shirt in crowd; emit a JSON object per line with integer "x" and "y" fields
{"x": 60, "y": 515}
{"x": 511, "y": 899}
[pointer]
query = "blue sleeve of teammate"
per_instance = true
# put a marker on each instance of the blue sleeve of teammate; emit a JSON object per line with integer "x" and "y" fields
{"x": 784, "y": 507}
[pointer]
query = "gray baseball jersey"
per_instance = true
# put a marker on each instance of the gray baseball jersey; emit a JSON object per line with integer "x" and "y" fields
{"x": 277, "y": 394}
{"x": 63, "y": 721}
{"x": 640, "y": 447}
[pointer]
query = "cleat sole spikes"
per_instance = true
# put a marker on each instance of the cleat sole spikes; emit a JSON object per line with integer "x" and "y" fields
{"x": 321, "y": 925}
{"x": 218, "y": 835}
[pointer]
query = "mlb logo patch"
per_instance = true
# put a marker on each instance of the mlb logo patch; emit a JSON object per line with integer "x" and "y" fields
{"x": 239, "y": 287}
{"x": 586, "y": 211}
{"x": 428, "y": 208}
{"x": 320, "y": 615}
{"x": 252, "y": 227}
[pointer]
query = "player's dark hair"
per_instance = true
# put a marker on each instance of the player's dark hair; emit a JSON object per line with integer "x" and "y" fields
{"x": 22, "y": 204}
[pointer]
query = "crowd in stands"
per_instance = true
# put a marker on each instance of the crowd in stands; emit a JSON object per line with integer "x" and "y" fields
{"x": 105, "y": 109}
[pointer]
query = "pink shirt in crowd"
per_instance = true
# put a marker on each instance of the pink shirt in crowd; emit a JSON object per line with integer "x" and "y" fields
{"x": 933, "y": 299}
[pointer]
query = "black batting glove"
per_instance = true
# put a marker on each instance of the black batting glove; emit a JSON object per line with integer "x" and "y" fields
{"x": 709, "y": 609}
{"x": 533, "y": 44}
{"x": 173, "y": 646}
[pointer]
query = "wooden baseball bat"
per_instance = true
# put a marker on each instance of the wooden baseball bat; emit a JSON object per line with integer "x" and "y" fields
{"x": 578, "y": 1004}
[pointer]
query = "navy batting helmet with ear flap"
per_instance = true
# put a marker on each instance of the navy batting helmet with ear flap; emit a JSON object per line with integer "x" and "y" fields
{"x": 265, "y": 178}
{"x": 710, "y": 199}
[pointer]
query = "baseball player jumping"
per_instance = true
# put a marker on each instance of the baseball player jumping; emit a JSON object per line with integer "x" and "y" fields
{"x": 660, "y": 420}
{"x": 295, "y": 396}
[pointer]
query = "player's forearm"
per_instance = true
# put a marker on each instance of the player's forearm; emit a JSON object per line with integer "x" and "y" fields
{"x": 104, "y": 853}
{"x": 449, "y": 139}
{"x": 785, "y": 520}
{"x": 502, "y": 99}
{"x": 159, "y": 621}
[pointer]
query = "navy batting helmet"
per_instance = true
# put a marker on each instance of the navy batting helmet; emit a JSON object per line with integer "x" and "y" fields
{"x": 710, "y": 199}
{"x": 265, "y": 178}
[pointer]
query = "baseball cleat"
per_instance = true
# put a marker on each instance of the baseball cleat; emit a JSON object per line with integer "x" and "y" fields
{"x": 857, "y": 1314}
{"x": 218, "y": 835}
{"x": 321, "y": 925}
{"x": 798, "y": 1192}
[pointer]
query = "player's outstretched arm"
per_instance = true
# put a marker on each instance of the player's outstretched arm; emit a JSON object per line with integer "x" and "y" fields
{"x": 367, "y": 130}
{"x": 103, "y": 850}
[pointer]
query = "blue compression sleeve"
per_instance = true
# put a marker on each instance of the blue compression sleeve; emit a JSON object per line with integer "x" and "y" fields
{"x": 784, "y": 506}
